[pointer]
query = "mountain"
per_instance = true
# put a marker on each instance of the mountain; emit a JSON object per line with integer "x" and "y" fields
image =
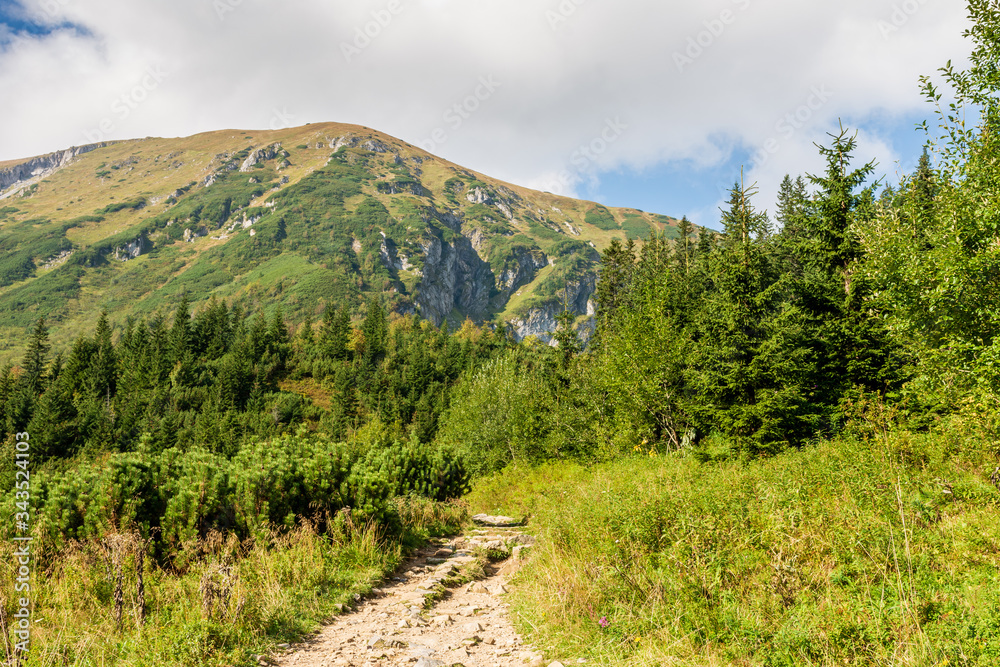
{"x": 299, "y": 217}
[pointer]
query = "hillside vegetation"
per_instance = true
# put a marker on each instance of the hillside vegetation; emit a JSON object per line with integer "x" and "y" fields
{"x": 298, "y": 218}
{"x": 780, "y": 446}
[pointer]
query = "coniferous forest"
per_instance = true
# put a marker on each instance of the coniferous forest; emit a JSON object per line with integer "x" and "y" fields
{"x": 778, "y": 447}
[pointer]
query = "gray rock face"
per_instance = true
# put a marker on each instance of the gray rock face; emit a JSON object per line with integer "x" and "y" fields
{"x": 520, "y": 269}
{"x": 540, "y": 322}
{"x": 42, "y": 166}
{"x": 191, "y": 234}
{"x": 389, "y": 254}
{"x": 132, "y": 249}
{"x": 259, "y": 155}
{"x": 454, "y": 276}
{"x": 352, "y": 140}
{"x": 504, "y": 200}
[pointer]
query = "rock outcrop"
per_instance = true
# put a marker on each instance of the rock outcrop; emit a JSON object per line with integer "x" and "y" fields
{"x": 132, "y": 249}
{"x": 33, "y": 170}
{"x": 454, "y": 276}
{"x": 259, "y": 155}
{"x": 541, "y": 321}
{"x": 519, "y": 269}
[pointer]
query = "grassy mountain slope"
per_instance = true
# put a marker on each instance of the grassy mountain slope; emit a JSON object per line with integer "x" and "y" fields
{"x": 296, "y": 217}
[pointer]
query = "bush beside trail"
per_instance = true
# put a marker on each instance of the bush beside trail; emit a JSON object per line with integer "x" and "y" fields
{"x": 178, "y": 497}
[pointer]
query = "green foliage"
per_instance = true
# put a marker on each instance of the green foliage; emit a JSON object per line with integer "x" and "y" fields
{"x": 414, "y": 468}
{"x": 129, "y": 204}
{"x": 933, "y": 252}
{"x": 636, "y": 227}
{"x": 849, "y": 552}
{"x": 497, "y": 416}
{"x": 180, "y": 497}
{"x": 601, "y": 218}
{"x": 20, "y": 305}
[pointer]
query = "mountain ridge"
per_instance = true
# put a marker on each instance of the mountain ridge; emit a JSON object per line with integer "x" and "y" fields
{"x": 299, "y": 217}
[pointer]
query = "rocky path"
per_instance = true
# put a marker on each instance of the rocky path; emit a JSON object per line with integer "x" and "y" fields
{"x": 444, "y": 608}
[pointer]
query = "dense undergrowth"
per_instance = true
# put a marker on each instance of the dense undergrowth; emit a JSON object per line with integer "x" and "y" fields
{"x": 868, "y": 549}
{"x": 780, "y": 447}
{"x": 100, "y": 602}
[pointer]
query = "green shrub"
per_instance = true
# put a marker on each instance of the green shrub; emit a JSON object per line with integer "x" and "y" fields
{"x": 601, "y": 218}
{"x": 415, "y": 468}
{"x": 114, "y": 492}
{"x": 636, "y": 227}
{"x": 195, "y": 488}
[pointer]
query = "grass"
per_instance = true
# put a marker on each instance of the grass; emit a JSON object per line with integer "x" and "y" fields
{"x": 878, "y": 551}
{"x": 234, "y": 600}
{"x": 321, "y": 212}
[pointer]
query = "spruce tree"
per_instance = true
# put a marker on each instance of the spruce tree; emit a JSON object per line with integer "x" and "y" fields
{"x": 33, "y": 364}
{"x": 335, "y": 333}
{"x": 851, "y": 343}
{"x": 685, "y": 244}
{"x": 103, "y": 364}
{"x": 566, "y": 337}
{"x": 750, "y": 362}
{"x": 180, "y": 332}
{"x": 375, "y": 330}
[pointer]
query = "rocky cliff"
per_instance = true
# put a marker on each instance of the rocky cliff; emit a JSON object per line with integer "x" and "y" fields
{"x": 13, "y": 179}
{"x": 540, "y": 321}
{"x": 303, "y": 218}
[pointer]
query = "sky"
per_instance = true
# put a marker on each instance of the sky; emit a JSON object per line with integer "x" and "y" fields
{"x": 656, "y": 105}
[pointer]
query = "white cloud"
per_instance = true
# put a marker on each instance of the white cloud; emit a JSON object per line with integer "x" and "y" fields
{"x": 565, "y": 68}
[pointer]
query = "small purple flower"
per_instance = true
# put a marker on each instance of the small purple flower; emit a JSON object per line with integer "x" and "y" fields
{"x": 604, "y": 622}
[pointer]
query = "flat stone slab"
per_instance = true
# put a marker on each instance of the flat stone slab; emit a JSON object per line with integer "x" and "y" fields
{"x": 496, "y": 521}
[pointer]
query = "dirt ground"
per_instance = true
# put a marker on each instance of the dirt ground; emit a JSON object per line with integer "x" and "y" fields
{"x": 430, "y": 615}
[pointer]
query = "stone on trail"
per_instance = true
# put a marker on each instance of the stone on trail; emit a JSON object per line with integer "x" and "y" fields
{"x": 378, "y": 641}
{"x": 420, "y": 651}
{"x": 496, "y": 521}
{"x": 430, "y": 662}
{"x": 471, "y": 628}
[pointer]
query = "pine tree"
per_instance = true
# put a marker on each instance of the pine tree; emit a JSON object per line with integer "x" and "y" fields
{"x": 53, "y": 423}
{"x": 851, "y": 343}
{"x": 345, "y": 410}
{"x": 375, "y": 329}
{"x": 792, "y": 200}
{"x": 335, "y": 333}
{"x": 750, "y": 362}
{"x": 685, "y": 245}
{"x": 180, "y": 332}
{"x": 305, "y": 334}
{"x": 566, "y": 336}
{"x": 103, "y": 370}
{"x": 924, "y": 186}
{"x": 837, "y": 207}
{"x": 33, "y": 364}
{"x": 617, "y": 265}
